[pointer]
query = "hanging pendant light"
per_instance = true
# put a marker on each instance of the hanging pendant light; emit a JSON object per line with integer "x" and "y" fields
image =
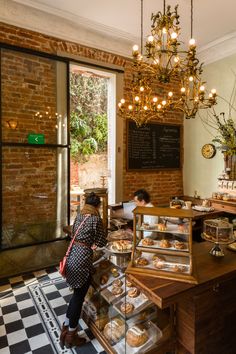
{"x": 163, "y": 62}
{"x": 143, "y": 104}
{"x": 193, "y": 92}
{"x": 162, "y": 57}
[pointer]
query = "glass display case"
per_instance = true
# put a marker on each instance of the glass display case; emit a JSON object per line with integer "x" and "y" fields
{"x": 162, "y": 247}
{"x": 121, "y": 316}
{"x": 220, "y": 232}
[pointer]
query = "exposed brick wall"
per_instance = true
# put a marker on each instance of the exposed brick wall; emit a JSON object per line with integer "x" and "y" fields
{"x": 160, "y": 184}
{"x": 74, "y": 176}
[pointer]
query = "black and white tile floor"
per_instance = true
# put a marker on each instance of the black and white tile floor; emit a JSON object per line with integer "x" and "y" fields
{"x": 32, "y": 309}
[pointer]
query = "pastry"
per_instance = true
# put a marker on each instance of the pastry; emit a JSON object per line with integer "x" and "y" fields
{"x": 158, "y": 258}
{"x": 179, "y": 268}
{"x": 114, "y": 330}
{"x": 103, "y": 279}
{"x": 162, "y": 227}
{"x": 104, "y": 264}
{"x": 116, "y": 290}
{"x": 142, "y": 261}
{"x": 114, "y": 272}
{"x": 158, "y": 264}
{"x": 181, "y": 227}
{"x": 133, "y": 292}
{"x": 101, "y": 321}
{"x": 179, "y": 245}
{"x": 122, "y": 245}
{"x": 117, "y": 283}
{"x": 136, "y": 336}
{"x": 128, "y": 283}
{"x": 147, "y": 241}
{"x": 127, "y": 307}
{"x": 165, "y": 243}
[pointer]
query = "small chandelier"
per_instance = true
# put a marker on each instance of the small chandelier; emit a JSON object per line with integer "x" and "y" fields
{"x": 162, "y": 54}
{"x": 162, "y": 62}
{"x": 193, "y": 92}
{"x": 143, "y": 104}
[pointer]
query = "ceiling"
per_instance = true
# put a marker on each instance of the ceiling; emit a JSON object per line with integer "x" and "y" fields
{"x": 213, "y": 21}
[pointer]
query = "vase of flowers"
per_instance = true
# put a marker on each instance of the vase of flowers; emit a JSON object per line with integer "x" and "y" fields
{"x": 226, "y": 134}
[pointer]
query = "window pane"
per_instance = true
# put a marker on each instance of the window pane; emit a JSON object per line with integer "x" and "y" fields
{"x": 34, "y": 195}
{"x": 33, "y": 98}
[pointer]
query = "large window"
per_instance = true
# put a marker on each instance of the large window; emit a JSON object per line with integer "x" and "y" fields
{"x": 34, "y": 148}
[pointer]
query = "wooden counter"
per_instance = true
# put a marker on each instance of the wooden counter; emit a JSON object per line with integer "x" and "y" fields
{"x": 224, "y": 205}
{"x": 206, "y": 312}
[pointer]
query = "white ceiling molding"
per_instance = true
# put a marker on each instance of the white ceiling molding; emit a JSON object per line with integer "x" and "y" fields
{"x": 218, "y": 49}
{"x": 68, "y": 26}
{"x": 76, "y": 30}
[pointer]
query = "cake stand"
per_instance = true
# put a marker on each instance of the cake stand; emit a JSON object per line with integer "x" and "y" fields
{"x": 219, "y": 232}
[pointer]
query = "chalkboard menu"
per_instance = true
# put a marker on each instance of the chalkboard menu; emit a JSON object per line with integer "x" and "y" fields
{"x": 153, "y": 146}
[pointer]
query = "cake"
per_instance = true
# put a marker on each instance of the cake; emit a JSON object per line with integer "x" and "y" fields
{"x": 218, "y": 230}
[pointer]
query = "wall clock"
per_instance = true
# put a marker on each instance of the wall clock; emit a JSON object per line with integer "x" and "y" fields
{"x": 208, "y": 151}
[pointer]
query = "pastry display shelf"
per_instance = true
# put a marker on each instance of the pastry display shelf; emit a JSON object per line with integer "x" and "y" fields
{"x": 158, "y": 323}
{"x": 161, "y": 258}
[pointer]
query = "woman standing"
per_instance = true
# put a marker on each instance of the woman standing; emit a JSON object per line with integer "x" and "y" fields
{"x": 79, "y": 265}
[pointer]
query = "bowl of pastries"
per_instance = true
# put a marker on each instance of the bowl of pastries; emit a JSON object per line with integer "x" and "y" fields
{"x": 120, "y": 246}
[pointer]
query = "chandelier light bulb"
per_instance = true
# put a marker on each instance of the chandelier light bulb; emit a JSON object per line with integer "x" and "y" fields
{"x": 210, "y": 95}
{"x": 183, "y": 89}
{"x": 163, "y": 103}
{"x": 141, "y": 88}
{"x": 176, "y": 59}
{"x": 122, "y": 100}
{"x": 130, "y": 107}
{"x": 202, "y": 88}
{"x": 135, "y": 48}
{"x": 192, "y": 42}
{"x": 150, "y": 39}
{"x": 213, "y": 91}
{"x": 159, "y": 106}
{"x": 145, "y": 108}
{"x": 190, "y": 78}
{"x": 136, "y": 98}
{"x": 154, "y": 99}
{"x": 170, "y": 94}
{"x": 174, "y": 35}
{"x": 119, "y": 104}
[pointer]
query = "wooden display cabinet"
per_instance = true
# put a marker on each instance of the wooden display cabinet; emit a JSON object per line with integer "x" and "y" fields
{"x": 167, "y": 253}
{"x": 102, "y": 311}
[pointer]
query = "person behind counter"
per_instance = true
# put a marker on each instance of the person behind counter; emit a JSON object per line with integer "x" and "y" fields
{"x": 142, "y": 198}
{"x": 79, "y": 266}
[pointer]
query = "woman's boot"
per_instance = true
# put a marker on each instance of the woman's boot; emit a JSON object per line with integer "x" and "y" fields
{"x": 72, "y": 339}
{"x": 63, "y": 335}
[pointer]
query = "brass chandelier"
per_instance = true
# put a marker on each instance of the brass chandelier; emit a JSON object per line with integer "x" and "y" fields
{"x": 163, "y": 62}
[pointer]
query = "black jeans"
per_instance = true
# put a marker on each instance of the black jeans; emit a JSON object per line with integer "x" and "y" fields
{"x": 76, "y": 303}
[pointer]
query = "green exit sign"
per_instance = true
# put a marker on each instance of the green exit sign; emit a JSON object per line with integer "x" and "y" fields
{"x": 36, "y": 138}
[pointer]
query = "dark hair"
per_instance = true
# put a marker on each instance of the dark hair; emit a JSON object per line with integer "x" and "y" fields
{"x": 93, "y": 199}
{"x": 142, "y": 194}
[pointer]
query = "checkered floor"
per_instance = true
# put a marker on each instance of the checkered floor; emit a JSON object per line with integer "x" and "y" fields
{"x": 31, "y": 313}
